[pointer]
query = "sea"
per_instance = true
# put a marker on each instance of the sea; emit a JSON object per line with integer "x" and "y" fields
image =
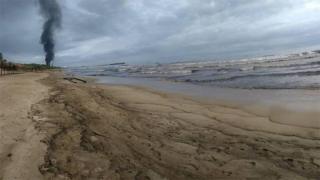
{"x": 293, "y": 71}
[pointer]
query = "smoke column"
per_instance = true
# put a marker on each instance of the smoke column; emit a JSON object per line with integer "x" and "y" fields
{"x": 51, "y": 12}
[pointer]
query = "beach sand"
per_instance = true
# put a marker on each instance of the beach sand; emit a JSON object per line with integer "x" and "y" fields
{"x": 21, "y": 151}
{"x": 93, "y": 131}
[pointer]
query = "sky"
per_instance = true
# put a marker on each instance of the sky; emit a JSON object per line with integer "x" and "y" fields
{"x": 145, "y": 31}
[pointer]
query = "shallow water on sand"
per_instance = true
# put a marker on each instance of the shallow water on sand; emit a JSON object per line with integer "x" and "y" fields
{"x": 301, "y": 99}
{"x": 300, "y": 107}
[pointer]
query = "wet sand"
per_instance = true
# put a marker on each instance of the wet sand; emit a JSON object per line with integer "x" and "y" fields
{"x": 125, "y": 132}
{"x": 295, "y": 106}
{"x": 96, "y": 131}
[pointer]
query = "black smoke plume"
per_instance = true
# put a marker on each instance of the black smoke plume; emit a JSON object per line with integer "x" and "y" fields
{"x": 51, "y": 12}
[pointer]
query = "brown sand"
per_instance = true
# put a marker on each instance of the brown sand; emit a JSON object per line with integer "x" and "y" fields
{"x": 20, "y": 149}
{"x": 121, "y": 132}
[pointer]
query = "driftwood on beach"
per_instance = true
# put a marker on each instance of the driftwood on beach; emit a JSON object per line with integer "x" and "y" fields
{"x": 74, "y": 79}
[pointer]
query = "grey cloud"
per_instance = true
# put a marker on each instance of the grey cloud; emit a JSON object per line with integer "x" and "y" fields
{"x": 144, "y": 31}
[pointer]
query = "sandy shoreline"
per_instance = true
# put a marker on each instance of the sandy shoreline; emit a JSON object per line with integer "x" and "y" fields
{"x": 123, "y": 132}
{"x": 21, "y": 151}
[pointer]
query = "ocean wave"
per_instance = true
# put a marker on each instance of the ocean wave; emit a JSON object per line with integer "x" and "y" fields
{"x": 306, "y": 73}
{"x": 278, "y": 72}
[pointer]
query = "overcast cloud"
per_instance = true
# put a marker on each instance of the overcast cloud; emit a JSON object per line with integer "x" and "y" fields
{"x": 147, "y": 31}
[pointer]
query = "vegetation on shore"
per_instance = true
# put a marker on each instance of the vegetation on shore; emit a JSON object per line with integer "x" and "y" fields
{"x": 7, "y": 67}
